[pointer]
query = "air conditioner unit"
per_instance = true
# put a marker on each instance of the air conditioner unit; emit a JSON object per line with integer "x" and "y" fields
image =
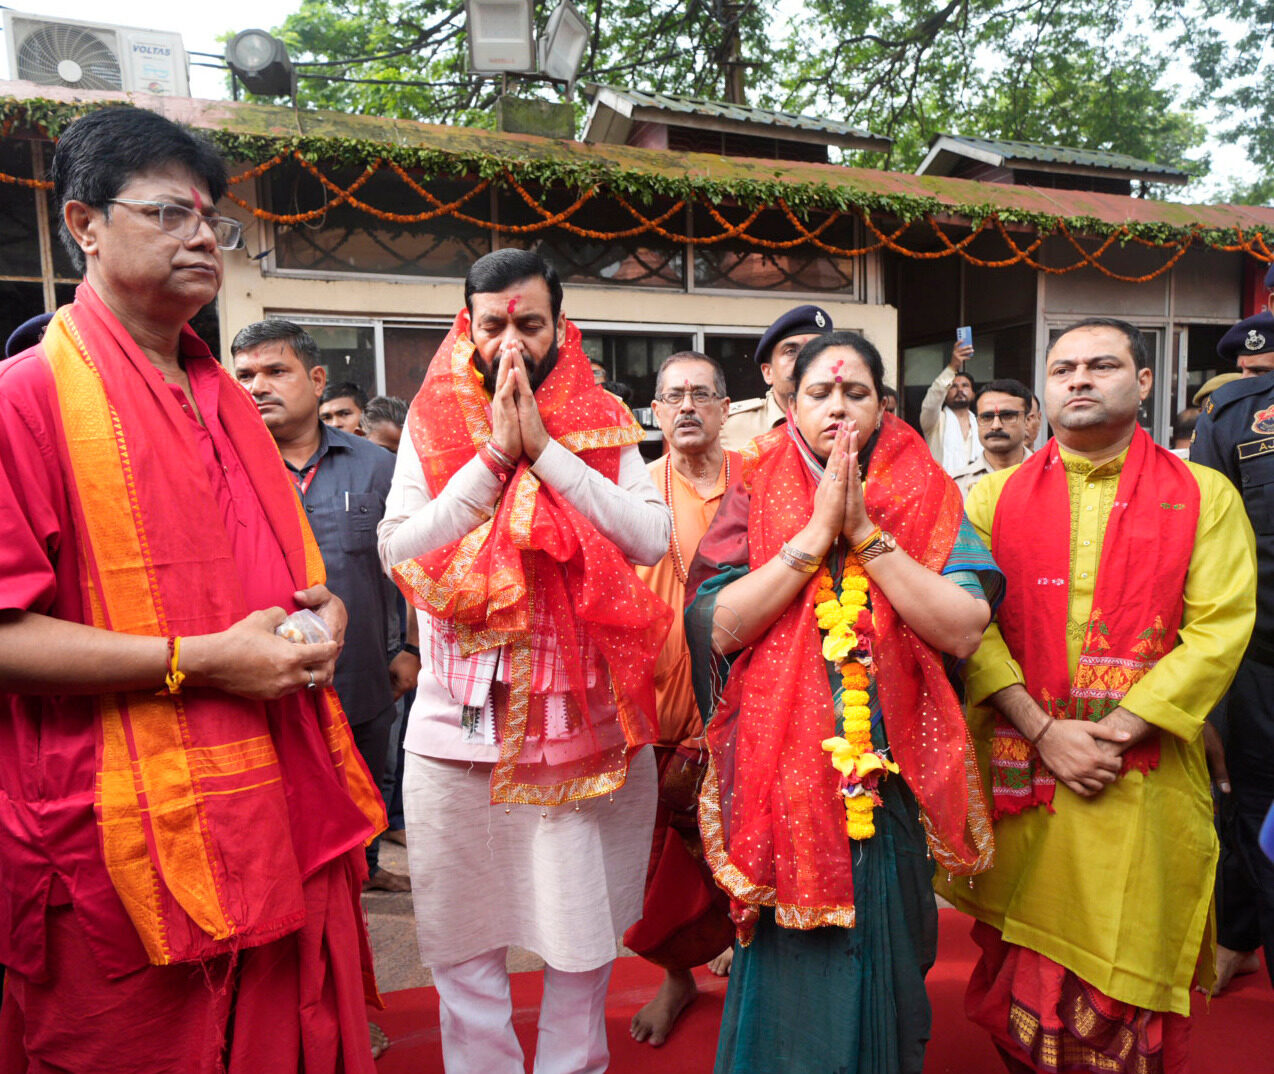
{"x": 92, "y": 56}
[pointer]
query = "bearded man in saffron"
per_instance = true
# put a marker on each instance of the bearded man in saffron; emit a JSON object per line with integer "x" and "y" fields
{"x": 184, "y": 812}
{"x": 515, "y": 514}
{"x": 838, "y": 745}
{"x": 1130, "y": 601}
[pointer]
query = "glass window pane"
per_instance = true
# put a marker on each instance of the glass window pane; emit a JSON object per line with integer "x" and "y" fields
{"x": 645, "y": 260}
{"x": 20, "y": 302}
{"x": 347, "y": 352}
{"x": 1202, "y": 361}
{"x": 348, "y": 239}
{"x": 633, "y": 359}
{"x": 742, "y": 375}
{"x": 739, "y": 264}
{"x": 19, "y": 234}
{"x": 408, "y": 352}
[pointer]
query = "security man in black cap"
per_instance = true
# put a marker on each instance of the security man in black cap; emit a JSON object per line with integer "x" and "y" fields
{"x": 1250, "y": 345}
{"x": 1235, "y": 434}
{"x": 776, "y": 355}
{"x": 27, "y": 334}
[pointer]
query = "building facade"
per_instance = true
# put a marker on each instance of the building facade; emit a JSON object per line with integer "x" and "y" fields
{"x": 362, "y": 228}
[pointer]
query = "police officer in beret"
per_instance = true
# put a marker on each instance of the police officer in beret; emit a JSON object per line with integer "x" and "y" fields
{"x": 776, "y": 355}
{"x": 1250, "y": 345}
{"x": 1235, "y": 434}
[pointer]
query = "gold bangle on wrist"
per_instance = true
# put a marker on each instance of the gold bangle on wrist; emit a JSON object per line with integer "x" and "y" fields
{"x": 875, "y": 533}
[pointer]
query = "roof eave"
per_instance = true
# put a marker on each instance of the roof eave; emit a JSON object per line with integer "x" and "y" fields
{"x": 843, "y": 186}
{"x": 780, "y": 131}
{"x": 945, "y": 151}
{"x": 608, "y": 97}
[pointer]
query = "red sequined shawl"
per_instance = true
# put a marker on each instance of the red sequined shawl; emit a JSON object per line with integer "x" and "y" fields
{"x": 538, "y": 548}
{"x": 774, "y": 825}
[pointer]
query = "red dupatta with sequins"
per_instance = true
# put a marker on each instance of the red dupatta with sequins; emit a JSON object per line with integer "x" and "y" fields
{"x": 772, "y": 818}
{"x": 539, "y": 550}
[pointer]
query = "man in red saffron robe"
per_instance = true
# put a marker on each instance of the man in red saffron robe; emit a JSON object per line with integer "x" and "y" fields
{"x": 183, "y": 812}
{"x": 1129, "y": 602}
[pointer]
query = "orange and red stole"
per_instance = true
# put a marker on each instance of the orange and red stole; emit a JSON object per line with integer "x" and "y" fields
{"x": 1137, "y": 603}
{"x": 192, "y": 815}
{"x": 772, "y": 818}
{"x": 538, "y": 549}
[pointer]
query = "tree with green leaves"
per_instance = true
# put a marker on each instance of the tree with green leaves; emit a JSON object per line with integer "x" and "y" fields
{"x": 412, "y": 53}
{"x": 1079, "y": 73}
{"x": 1095, "y": 74}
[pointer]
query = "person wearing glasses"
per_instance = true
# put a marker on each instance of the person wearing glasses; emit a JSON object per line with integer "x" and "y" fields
{"x": 183, "y": 807}
{"x": 1001, "y": 409}
{"x": 685, "y": 916}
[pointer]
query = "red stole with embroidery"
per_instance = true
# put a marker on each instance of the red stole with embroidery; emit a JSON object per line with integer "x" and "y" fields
{"x": 540, "y": 550}
{"x": 1137, "y": 603}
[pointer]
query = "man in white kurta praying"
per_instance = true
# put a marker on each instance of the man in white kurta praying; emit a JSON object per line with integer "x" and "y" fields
{"x": 517, "y": 508}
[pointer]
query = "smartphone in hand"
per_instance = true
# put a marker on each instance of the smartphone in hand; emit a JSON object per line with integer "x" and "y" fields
{"x": 964, "y": 335}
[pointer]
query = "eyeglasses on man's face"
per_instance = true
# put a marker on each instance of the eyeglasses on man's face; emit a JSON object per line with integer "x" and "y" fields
{"x": 182, "y": 222}
{"x": 1007, "y": 417}
{"x": 698, "y": 396}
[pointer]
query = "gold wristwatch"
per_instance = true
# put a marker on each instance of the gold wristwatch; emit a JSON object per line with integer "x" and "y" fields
{"x": 882, "y": 543}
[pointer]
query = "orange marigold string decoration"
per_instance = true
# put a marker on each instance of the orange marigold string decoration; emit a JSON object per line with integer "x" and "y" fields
{"x": 848, "y": 633}
{"x": 1254, "y": 244}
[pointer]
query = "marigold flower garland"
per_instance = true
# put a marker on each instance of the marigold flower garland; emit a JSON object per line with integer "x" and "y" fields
{"x": 847, "y": 642}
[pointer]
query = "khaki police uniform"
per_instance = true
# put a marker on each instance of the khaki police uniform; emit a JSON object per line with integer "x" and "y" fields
{"x": 749, "y": 418}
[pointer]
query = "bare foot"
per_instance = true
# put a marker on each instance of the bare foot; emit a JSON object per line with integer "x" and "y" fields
{"x": 722, "y": 963}
{"x": 1231, "y": 964}
{"x": 654, "y": 1021}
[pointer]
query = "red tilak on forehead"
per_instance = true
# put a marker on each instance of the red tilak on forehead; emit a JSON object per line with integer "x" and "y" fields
{"x": 194, "y": 194}
{"x": 836, "y": 368}
{"x": 513, "y": 303}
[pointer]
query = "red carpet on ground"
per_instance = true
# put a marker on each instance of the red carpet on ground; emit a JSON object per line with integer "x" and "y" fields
{"x": 1233, "y": 1035}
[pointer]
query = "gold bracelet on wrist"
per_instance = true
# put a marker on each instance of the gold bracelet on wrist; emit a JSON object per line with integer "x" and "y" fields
{"x": 875, "y": 533}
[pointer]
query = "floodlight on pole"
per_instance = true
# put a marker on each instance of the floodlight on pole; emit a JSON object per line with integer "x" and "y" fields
{"x": 501, "y": 36}
{"x": 563, "y": 45}
{"x": 260, "y": 61}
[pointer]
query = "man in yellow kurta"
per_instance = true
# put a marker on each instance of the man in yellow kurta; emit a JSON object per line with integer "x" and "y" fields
{"x": 685, "y": 919}
{"x": 1130, "y": 578}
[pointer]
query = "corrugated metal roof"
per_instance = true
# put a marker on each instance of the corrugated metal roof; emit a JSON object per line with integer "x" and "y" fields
{"x": 738, "y": 113}
{"x": 1032, "y": 152}
{"x": 245, "y": 118}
